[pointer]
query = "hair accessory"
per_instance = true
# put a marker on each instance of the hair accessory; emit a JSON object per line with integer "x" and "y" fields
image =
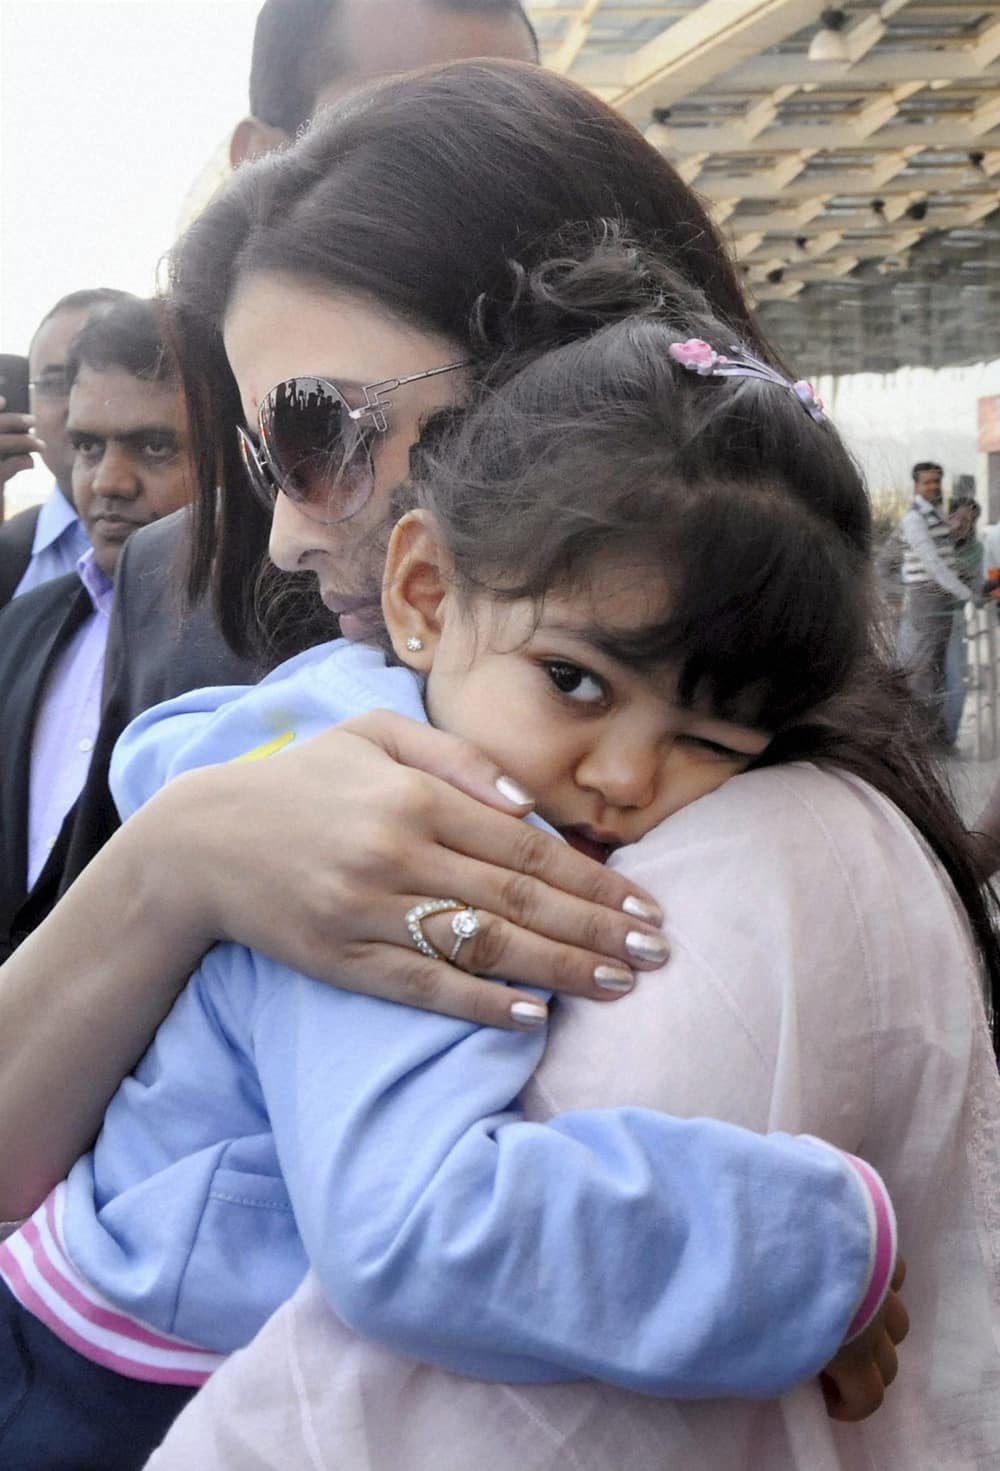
{"x": 414, "y": 645}
{"x": 701, "y": 357}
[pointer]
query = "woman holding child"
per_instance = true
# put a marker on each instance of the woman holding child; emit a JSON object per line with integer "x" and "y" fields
{"x": 872, "y": 1038}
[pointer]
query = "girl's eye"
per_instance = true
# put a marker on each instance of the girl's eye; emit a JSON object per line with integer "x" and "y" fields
{"x": 716, "y": 748}
{"x": 575, "y": 683}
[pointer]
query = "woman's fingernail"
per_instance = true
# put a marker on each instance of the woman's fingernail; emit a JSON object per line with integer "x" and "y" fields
{"x": 646, "y": 947}
{"x": 643, "y": 909}
{"x": 529, "y": 1014}
{"x": 614, "y": 978}
{"x": 509, "y": 788}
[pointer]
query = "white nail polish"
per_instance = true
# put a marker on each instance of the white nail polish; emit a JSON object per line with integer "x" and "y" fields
{"x": 509, "y": 788}
{"x": 529, "y": 1014}
{"x": 646, "y": 947}
{"x": 614, "y": 978}
{"x": 642, "y": 909}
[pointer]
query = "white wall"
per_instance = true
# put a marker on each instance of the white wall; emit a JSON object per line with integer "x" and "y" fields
{"x": 891, "y": 420}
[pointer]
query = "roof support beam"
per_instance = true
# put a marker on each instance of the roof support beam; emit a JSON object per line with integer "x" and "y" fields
{"x": 886, "y": 175}
{"x": 709, "y": 41}
{"x": 958, "y": 132}
{"x": 575, "y": 39}
{"x": 764, "y": 73}
{"x": 689, "y": 168}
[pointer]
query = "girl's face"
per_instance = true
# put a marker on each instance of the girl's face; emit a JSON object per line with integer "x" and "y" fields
{"x": 601, "y": 745}
{"x": 278, "y": 328}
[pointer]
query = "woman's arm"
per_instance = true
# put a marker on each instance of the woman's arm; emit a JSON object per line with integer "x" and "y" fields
{"x": 249, "y": 853}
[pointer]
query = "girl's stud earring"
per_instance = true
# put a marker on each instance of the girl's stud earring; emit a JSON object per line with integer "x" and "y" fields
{"x": 414, "y": 645}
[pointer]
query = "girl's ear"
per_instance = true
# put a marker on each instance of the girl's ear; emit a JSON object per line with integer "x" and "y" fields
{"x": 415, "y": 585}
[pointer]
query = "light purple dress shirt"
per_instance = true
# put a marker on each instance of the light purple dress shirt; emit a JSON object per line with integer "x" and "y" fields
{"x": 59, "y": 543}
{"x": 69, "y": 712}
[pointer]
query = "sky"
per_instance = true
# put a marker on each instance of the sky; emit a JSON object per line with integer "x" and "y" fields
{"x": 109, "y": 112}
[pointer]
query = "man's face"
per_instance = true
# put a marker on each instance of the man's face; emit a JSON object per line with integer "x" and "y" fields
{"x": 380, "y": 38}
{"x": 927, "y": 483}
{"x": 49, "y": 396}
{"x": 132, "y": 460}
{"x": 366, "y": 40}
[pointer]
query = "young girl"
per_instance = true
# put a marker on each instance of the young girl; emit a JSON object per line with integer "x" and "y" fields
{"x": 559, "y": 612}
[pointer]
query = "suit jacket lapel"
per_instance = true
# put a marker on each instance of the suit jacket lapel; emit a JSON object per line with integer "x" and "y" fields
{"x": 21, "y": 695}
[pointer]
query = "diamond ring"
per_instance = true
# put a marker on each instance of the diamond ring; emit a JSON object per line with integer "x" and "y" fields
{"x": 464, "y": 924}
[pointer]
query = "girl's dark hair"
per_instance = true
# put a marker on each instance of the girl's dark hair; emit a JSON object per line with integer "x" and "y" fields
{"x": 752, "y": 514}
{"x": 431, "y": 195}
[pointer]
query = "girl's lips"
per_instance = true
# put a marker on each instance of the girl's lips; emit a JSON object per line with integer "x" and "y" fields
{"x": 581, "y": 839}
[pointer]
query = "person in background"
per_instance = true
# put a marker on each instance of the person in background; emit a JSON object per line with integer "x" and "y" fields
{"x": 963, "y": 514}
{"x": 47, "y": 540}
{"x": 126, "y": 424}
{"x": 932, "y": 591}
{"x": 306, "y": 53}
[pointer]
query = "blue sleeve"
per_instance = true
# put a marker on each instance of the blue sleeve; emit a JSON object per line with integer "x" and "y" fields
{"x": 679, "y": 1257}
{"x": 308, "y": 693}
{"x": 147, "y": 753}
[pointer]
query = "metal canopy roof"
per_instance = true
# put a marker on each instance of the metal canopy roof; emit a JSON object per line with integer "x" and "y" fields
{"x": 862, "y": 197}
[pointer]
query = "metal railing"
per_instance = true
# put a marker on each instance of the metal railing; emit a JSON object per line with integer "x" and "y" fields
{"x": 981, "y": 676}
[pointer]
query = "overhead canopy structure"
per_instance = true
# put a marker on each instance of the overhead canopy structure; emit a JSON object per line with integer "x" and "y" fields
{"x": 861, "y": 194}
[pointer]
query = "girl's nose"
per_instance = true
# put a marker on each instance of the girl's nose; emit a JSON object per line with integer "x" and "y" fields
{"x": 623, "y": 772}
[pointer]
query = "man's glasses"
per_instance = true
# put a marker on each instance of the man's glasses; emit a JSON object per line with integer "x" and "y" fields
{"x": 51, "y": 385}
{"x": 317, "y": 450}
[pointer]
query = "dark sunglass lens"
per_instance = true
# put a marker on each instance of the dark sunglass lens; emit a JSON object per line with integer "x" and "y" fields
{"x": 320, "y": 454}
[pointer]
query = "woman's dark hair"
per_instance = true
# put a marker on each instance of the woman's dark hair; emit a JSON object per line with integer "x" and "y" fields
{"x": 128, "y": 334}
{"x": 430, "y": 195}
{"x": 606, "y": 451}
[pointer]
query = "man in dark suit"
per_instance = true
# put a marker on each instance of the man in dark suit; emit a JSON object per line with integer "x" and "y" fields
{"x": 128, "y": 425}
{"x": 48, "y": 540}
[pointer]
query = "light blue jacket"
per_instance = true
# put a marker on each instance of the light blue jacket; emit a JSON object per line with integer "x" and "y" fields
{"x": 276, "y": 1121}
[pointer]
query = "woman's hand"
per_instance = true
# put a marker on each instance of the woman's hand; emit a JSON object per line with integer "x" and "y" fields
{"x": 315, "y": 856}
{"x": 854, "y": 1382}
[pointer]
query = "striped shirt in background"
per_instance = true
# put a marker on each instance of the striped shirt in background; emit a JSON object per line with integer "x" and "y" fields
{"x": 929, "y": 550}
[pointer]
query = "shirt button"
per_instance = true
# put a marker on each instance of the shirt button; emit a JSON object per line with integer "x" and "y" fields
{"x": 86, "y": 745}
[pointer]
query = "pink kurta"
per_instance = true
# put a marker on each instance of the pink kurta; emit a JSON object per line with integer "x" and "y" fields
{"x": 822, "y": 982}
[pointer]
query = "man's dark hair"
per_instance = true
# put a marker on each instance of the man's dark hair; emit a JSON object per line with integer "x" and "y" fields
{"x": 292, "y": 57}
{"x": 78, "y": 301}
{"x": 128, "y": 335}
{"x": 924, "y": 466}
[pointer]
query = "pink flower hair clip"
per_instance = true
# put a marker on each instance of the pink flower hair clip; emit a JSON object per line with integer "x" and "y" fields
{"x": 700, "y": 357}
{"x": 810, "y": 398}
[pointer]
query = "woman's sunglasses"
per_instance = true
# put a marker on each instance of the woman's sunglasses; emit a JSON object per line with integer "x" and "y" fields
{"x": 317, "y": 450}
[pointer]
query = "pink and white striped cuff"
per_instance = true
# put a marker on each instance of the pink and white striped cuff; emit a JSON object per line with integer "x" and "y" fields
{"x": 882, "y": 1237}
{"x": 885, "y": 1246}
